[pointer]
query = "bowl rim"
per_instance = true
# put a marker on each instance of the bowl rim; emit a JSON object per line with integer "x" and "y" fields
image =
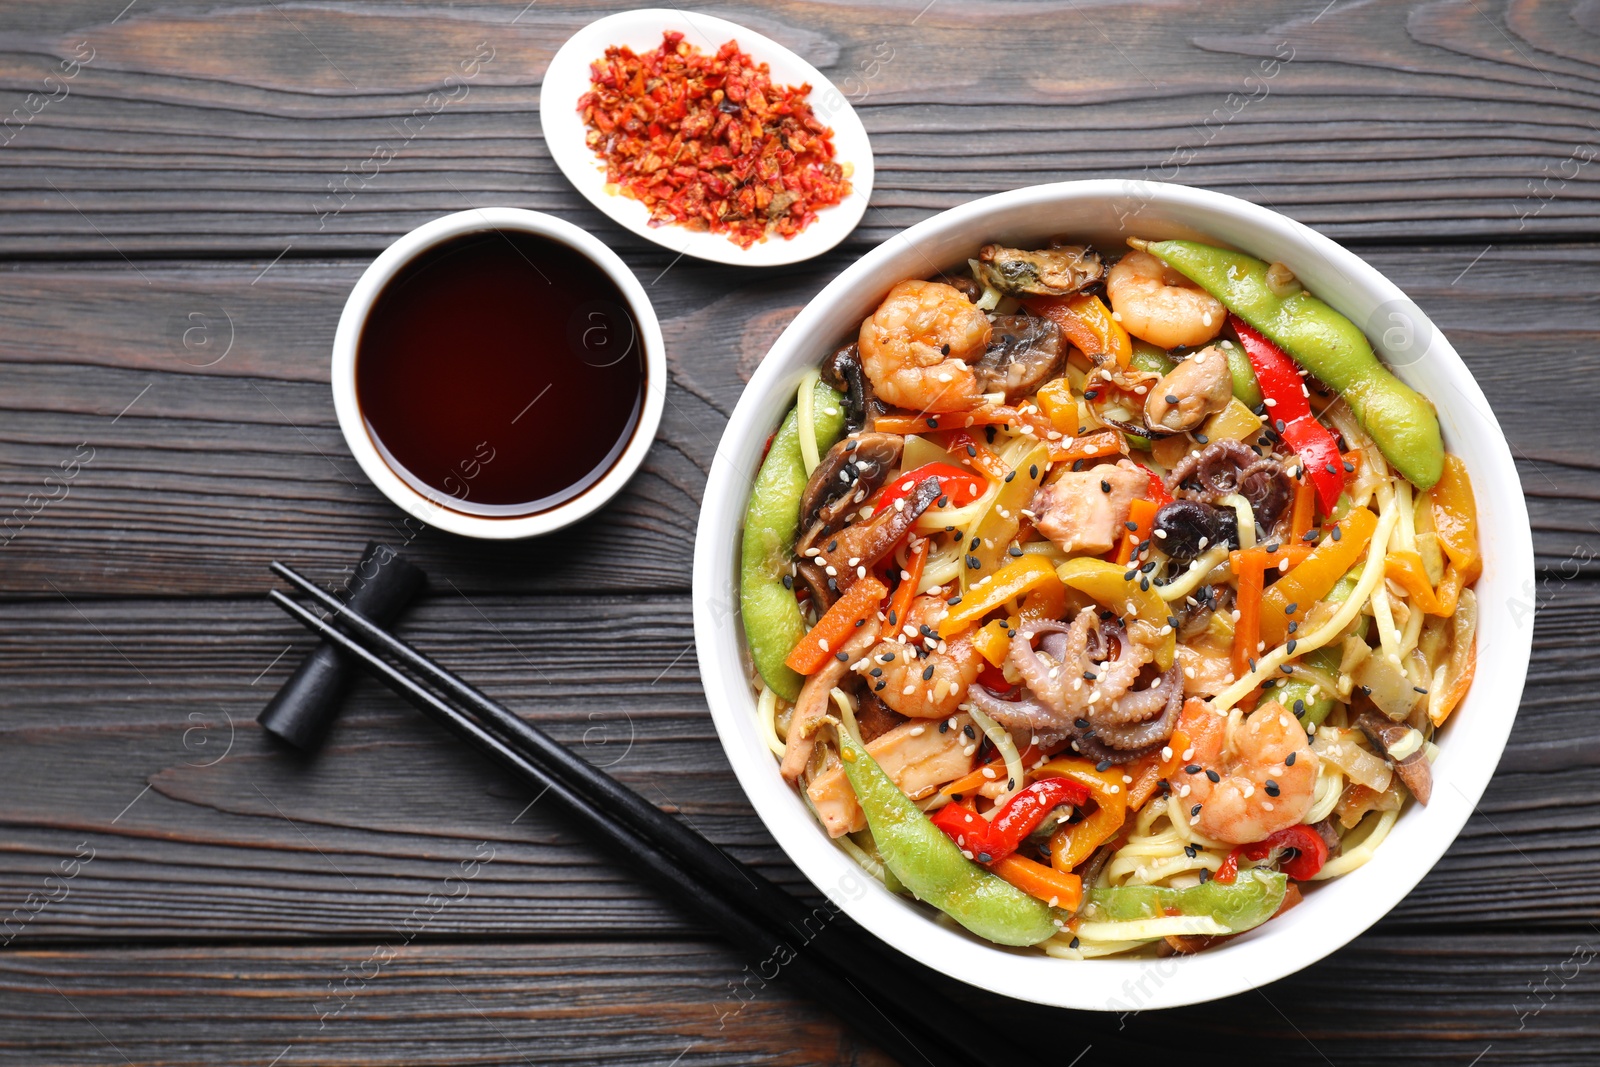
{"x": 1300, "y": 937}
{"x": 566, "y": 79}
{"x": 358, "y": 305}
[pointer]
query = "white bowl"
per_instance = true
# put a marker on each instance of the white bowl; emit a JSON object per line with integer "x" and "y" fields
{"x": 567, "y": 79}
{"x": 348, "y": 336}
{"x": 1334, "y": 912}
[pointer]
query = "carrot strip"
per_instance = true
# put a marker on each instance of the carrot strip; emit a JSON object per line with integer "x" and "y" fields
{"x": 1250, "y": 570}
{"x": 836, "y": 625}
{"x": 900, "y": 603}
{"x": 1090, "y": 446}
{"x": 976, "y": 453}
{"x": 1141, "y": 516}
{"x": 1056, "y": 888}
{"x": 903, "y": 422}
{"x": 1304, "y": 511}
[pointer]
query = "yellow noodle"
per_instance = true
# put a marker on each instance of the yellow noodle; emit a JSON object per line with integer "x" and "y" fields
{"x": 1181, "y": 587}
{"x": 767, "y": 717}
{"x": 1351, "y": 858}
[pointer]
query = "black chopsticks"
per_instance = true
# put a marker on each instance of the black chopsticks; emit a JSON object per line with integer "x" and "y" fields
{"x": 827, "y": 955}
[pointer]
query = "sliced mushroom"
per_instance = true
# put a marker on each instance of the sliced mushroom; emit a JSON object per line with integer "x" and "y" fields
{"x": 1192, "y": 391}
{"x": 1043, "y": 272}
{"x": 1186, "y": 528}
{"x": 965, "y": 283}
{"x": 847, "y": 555}
{"x": 1404, "y": 747}
{"x": 852, "y": 471}
{"x": 1024, "y": 352}
{"x": 844, "y": 372}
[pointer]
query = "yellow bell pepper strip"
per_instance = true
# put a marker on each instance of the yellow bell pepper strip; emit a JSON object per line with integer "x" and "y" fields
{"x": 931, "y": 865}
{"x": 990, "y": 535}
{"x": 1463, "y": 664}
{"x": 906, "y": 591}
{"x": 1311, "y": 581}
{"x": 991, "y": 642}
{"x": 1046, "y": 601}
{"x": 1141, "y": 517}
{"x": 1056, "y": 888}
{"x": 1087, "y": 323}
{"x": 1407, "y": 569}
{"x": 1148, "y": 770}
{"x": 1021, "y": 575}
{"x": 1060, "y": 406}
{"x": 836, "y": 626}
{"x": 1250, "y": 568}
{"x": 1125, "y": 592}
{"x": 1072, "y": 843}
{"x": 1455, "y": 519}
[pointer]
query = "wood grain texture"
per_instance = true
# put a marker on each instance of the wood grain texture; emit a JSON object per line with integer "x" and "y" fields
{"x": 181, "y": 219}
{"x": 197, "y": 126}
{"x": 203, "y": 828}
{"x": 1387, "y": 999}
{"x": 197, "y": 476}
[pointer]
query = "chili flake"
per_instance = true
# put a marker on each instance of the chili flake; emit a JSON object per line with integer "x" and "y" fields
{"x": 709, "y": 142}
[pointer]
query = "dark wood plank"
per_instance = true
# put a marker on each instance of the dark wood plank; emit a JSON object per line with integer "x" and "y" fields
{"x": 1387, "y": 999}
{"x": 198, "y": 126}
{"x": 199, "y": 475}
{"x": 129, "y": 728}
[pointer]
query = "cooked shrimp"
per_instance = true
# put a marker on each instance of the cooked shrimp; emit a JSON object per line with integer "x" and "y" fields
{"x": 917, "y": 346}
{"x": 1265, "y": 784}
{"x": 917, "y": 674}
{"x": 1159, "y": 305}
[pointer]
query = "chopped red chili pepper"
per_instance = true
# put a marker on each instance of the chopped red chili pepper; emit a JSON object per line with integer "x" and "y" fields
{"x": 1310, "y": 853}
{"x": 709, "y": 142}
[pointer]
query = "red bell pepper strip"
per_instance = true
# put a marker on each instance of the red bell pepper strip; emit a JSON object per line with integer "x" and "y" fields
{"x": 991, "y": 840}
{"x": 1289, "y": 411}
{"x": 962, "y": 487}
{"x": 1311, "y": 852}
{"x": 1158, "y": 494}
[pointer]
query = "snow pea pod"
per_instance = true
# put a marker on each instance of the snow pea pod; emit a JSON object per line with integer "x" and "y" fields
{"x": 1252, "y": 899}
{"x": 930, "y": 864}
{"x": 773, "y": 624}
{"x": 1327, "y": 344}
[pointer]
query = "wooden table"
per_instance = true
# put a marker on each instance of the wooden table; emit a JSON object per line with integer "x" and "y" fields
{"x": 190, "y": 190}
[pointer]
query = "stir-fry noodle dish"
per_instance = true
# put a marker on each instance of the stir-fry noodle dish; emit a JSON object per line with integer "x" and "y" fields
{"x": 1106, "y": 602}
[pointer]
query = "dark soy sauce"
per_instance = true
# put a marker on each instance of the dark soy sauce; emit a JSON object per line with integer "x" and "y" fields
{"x": 500, "y": 373}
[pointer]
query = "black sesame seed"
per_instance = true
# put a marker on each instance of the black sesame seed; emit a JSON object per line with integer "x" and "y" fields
{"x": 1284, "y": 667}
{"x": 955, "y": 600}
{"x": 860, "y": 623}
{"x": 971, "y": 734}
{"x": 1272, "y": 788}
{"x": 988, "y": 433}
{"x": 1299, "y": 709}
{"x": 1309, "y": 535}
{"x": 1349, "y": 468}
{"x": 1144, "y": 585}
{"x": 876, "y": 672}
{"x": 1190, "y": 851}
{"x": 1293, "y": 626}
{"x": 944, "y": 349}
{"x": 1171, "y": 399}
{"x": 944, "y": 727}
{"x": 879, "y": 687}
{"x": 1078, "y": 464}
{"x": 974, "y": 546}
{"x": 1331, "y": 469}
{"x": 1033, "y": 470}
{"x": 983, "y": 857}
{"x": 1205, "y": 876}
{"x": 1015, "y": 550}
{"x": 1292, "y": 608}
{"x": 887, "y": 657}
{"x": 1091, "y": 394}
{"x": 1214, "y": 776}
{"x": 1130, "y": 575}
{"x": 972, "y": 450}
{"x": 1288, "y": 761}
{"x": 1103, "y": 766}
{"x": 1194, "y": 811}
{"x": 1277, "y": 424}
{"x": 1291, "y": 645}
{"x": 892, "y": 619}
{"x": 1337, "y": 533}
{"x": 842, "y": 657}
{"x": 788, "y": 581}
{"x": 925, "y": 630}
{"x": 927, "y": 675}
{"x": 942, "y": 502}
{"x": 1202, "y": 439}
{"x": 973, "y": 562}
{"x": 1010, "y": 475}
{"x": 1105, "y": 486}
{"x": 1082, "y": 724}
{"x": 1273, "y": 546}
{"x": 1193, "y": 768}
{"x": 833, "y": 584}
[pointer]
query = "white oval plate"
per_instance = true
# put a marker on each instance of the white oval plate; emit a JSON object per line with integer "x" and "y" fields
{"x": 567, "y": 79}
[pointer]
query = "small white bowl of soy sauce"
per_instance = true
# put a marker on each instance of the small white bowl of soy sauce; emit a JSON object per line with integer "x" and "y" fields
{"x": 498, "y": 373}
